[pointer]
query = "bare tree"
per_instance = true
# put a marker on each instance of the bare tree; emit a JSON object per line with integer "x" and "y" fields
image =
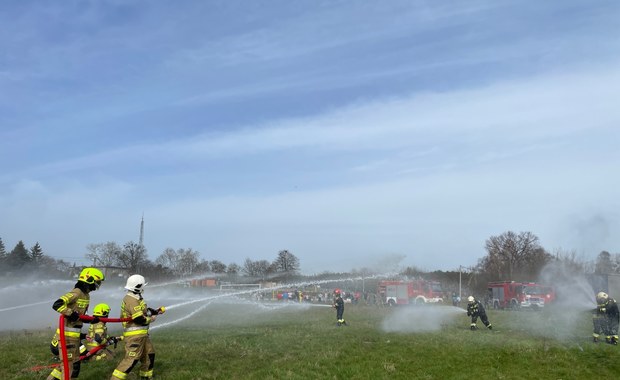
{"x": 132, "y": 256}
{"x": 510, "y": 254}
{"x": 286, "y": 262}
{"x": 104, "y": 254}
{"x": 218, "y": 266}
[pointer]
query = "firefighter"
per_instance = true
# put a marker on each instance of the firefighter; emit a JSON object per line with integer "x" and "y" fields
{"x": 475, "y": 310}
{"x": 73, "y": 305}
{"x": 339, "y": 306}
{"x": 98, "y": 333}
{"x": 138, "y": 346}
{"x": 606, "y": 318}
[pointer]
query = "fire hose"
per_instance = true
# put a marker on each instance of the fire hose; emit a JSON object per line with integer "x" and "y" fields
{"x": 89, "y": 318}
{"x": 85, "y": 356}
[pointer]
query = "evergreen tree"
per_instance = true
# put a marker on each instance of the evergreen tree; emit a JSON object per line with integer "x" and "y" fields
{"x": 36, "y": 254}
{"x": 2, "y": 255}
{"x": 18, "y": 257}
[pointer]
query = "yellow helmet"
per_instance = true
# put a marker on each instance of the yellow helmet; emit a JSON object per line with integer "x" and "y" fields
{"x": 101, "y": 310}
{"x": 92, "y": 276}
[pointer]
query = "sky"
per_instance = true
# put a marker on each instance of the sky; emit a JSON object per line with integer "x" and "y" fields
{"x": 346, "y": 132}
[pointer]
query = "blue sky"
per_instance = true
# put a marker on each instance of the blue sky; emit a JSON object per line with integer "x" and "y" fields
{"x": 347, "y": 132}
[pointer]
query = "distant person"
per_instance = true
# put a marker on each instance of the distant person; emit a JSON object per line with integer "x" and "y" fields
{"x": 475, "y": 310}
{"x": 98, "y": 334}
{"x": 606, "y": 318}
{"x": 455, "y": 299}
{"x": 74, "y": 305}
{"x": 138, "y": 346}
{"x": 339, "y": 306}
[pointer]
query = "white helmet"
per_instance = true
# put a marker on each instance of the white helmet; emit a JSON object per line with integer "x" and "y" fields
{"x": 136, "y": 283}
{"x": 601, "y": 298}
{"x": 470, "y": 299}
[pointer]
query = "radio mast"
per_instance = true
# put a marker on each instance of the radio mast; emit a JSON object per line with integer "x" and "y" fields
{"x": 142, "y": 231}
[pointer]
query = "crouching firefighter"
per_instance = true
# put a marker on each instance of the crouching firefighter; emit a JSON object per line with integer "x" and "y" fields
{"x": 138, "y": 346}
{"x": 98, "y": 334}
{"x": 475, "y": 310}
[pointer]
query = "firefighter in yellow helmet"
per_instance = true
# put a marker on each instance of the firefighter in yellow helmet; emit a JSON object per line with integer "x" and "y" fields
{"x": 98, "y": 334}
{"x": 73, "y": 305}
{"x": 138, "y": 346}
{"x": 475, "y": 309}
{"x": 605, "y": 318}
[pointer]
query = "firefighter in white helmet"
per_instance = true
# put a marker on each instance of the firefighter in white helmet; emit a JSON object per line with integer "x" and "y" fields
{"x": 475, "y": 309}
{"x": 605, "y": 318}
{"x": 138, "y": 346}
{"x": 74, "y": 305}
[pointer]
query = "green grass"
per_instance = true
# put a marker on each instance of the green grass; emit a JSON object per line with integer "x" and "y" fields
{"x": 230, "y": 342}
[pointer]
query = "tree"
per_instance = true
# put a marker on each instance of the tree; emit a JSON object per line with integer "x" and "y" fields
{"x": 2, "y": 254}
{"x": 249, "y": 268}
{"x": 168, "y": 259}
{"x": 233, "y": 269}
{"x": 286, "y": 262}
{"x": 132, "y": 256}
{"x": 188, "y": 261}
{"x": 604, "y": 263}
{"x": 36, "y": 254}
{"x": 218, "y": 266}
{"x": 104, "y": 254}
{"x": 510, "y": 254}
{"x": 18, "y": 257}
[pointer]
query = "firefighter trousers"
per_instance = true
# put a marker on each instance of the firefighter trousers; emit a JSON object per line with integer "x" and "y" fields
{"x": 138, "y": 348}
{"x": 73, "y": 358}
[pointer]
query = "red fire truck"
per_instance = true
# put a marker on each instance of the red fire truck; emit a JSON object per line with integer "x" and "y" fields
{"x": 410, "y": 292}
{"x": 517, "y": 295}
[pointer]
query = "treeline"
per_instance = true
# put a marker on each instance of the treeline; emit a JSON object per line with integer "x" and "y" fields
{"x": 510, "y": 256}
{"x": 131, "y": 256}
{"x": 513, "y": 256}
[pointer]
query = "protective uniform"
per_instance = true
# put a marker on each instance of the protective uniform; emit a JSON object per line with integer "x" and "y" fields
{"x": 138, "y": 346}
{"x": 98, "y": 333}
{"x": 73, "y": 305}
{"x": 475, "y": 309}
{"x": 339, "y": 306}
{"x": 605, "y": 318}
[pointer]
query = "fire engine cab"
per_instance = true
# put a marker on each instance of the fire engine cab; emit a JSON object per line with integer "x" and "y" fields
{"x": 518, "y": 295}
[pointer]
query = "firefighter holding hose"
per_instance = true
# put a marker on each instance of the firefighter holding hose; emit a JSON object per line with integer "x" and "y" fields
{"x": 98, "y": 334}
{"x": 73, "y": 306}
{"x": 339, "y": 306}
{"x": 606, "y": 318}
{"x": 475, "y": 309}
{"x": 138, "y": 346}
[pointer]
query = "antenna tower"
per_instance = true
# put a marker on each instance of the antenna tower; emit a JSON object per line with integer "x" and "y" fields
{"x": 142, "y": 231}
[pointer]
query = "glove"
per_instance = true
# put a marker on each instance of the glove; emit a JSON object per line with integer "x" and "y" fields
{"x": 74, "y": 316}
{"x": 94, "y": 320}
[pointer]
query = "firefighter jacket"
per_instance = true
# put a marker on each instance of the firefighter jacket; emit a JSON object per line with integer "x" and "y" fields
{"x": 97, "y": 335}
{"x": 475, "y": 308}
{"x": 339, "y": 303}
{"x": 608, "y": 311}
{"x": 134, "y": 307}
{"x": 76, "y": 301}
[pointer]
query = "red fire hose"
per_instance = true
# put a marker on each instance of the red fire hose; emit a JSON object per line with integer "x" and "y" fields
{"x": 62, "y": 345}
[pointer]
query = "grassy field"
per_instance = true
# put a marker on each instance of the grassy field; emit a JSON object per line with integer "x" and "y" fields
{"x": 244, "y": 341}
